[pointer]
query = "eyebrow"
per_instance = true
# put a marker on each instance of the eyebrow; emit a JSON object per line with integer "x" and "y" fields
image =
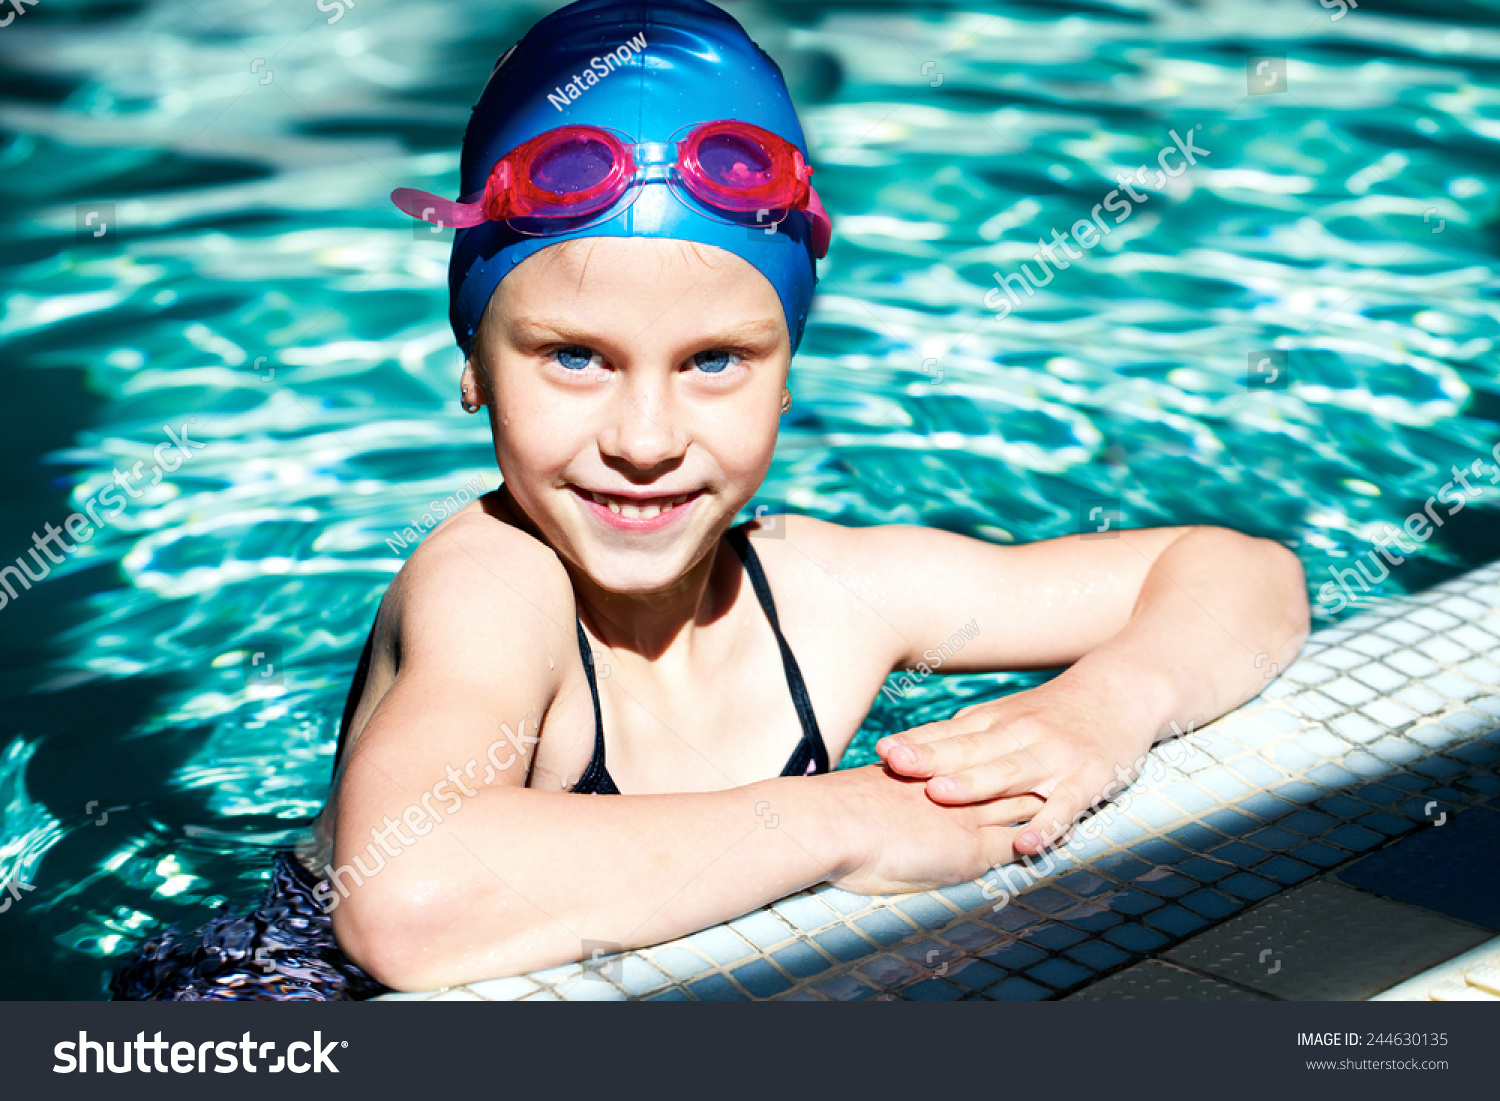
{"x": 536, "y": 330}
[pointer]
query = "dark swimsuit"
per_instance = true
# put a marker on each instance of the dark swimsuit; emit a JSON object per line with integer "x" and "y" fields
{"x": 284, "y": 948}
{"x": 809, "y": 758}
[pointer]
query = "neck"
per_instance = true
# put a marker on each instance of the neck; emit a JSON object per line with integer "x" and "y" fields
{"x": 648, "y": 624}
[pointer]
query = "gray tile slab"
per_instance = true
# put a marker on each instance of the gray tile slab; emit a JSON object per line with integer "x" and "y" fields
{"x": 1325, "y": 942}
{"x": 1158, "y": 981}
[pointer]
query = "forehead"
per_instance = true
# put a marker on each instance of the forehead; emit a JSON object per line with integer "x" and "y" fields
{"x": 635, "y": 282}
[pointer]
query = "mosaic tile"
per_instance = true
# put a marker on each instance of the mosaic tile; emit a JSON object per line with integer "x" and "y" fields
{"x": 716, "y": 988}
{"x": 1060, "y": 973}
{"x": 760, "y": 979}
{"x": 845, "y": 988}
{"x": 1382, "y": 678}
{"x": 887, "y": 970}
{"x": 926, "y": 910}
{"x": 1175, "y": 921}
{"x": 842, "y": 943}
{"x": 933, "y": 990}
{"x": 1097, "y": 955}
{"x": 971, "y": 936}
{"x": 589, "y": 988}
{"x": 720, "y": 944}
{"x": 800, "y": 959}
{"x": 1388, "y": 713}
{"x": 973, "y": 974}
{"x": 680, "y": 962}
{"x": 884, "y": 927}
{"x": 504, "y": 990}
{"x": 762, "y": 928}
{"x": 807, "y": 913}
{"x": 1135, "y": 938}
{"x": 1014, "y": 956}
{"x": 1412, "y": 663}
{"x": 1017, "y": 989}
{"x": 1211, "y": 904}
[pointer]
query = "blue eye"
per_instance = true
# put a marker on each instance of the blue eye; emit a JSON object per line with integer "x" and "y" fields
{"x": 575, "y": 358}
{"x": 713, "y": 362}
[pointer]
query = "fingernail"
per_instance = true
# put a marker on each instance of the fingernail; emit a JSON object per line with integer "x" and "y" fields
{"x": 906, "y": 756}
{"x": 943, "y": 785}
{"x": 1029, "y": 840}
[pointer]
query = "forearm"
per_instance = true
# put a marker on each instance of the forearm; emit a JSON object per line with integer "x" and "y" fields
{"x": 1219, "y": 614}
{"x": 520, "y": 879}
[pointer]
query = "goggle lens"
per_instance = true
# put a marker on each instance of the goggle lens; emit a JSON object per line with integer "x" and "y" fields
{"x": 734, "y": 161}
{"x": 573, "y": 165}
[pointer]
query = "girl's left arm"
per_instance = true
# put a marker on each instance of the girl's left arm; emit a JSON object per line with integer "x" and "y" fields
{"x": 1161, "y": 630}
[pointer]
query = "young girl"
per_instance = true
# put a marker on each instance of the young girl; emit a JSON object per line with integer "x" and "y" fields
{"x": 631, "y": 274}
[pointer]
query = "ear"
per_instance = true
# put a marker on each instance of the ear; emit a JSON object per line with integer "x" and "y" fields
{"x": 468, "y": 384}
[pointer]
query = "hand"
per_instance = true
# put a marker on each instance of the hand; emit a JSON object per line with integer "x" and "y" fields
{"x": 1063, "y": 741}
{"x": 902, "y": 841}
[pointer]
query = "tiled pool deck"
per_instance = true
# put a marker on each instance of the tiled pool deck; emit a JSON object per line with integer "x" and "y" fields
{"x": 1333, "y": 838}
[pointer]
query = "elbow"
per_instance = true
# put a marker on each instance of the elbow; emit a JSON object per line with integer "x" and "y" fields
{"x": 392, "y": 928}
{"x": 425, "y": 927}
{"x": 1283, "y": 584}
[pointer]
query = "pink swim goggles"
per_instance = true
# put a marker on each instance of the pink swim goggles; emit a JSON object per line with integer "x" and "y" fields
{"x": 558, "y": 180}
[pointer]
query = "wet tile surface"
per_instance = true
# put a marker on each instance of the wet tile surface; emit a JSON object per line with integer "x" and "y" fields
{"x": 1441, "y": 868}
{"x": 1159, "y": 981}
{"x": 1326, "y": 942}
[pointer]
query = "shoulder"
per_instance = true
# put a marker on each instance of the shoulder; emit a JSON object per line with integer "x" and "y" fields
{"x": 847, "y": 550}
{"x": 480, "y": 582}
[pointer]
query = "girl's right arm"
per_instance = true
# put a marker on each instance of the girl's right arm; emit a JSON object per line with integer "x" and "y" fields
{"x": 448, "y": 869}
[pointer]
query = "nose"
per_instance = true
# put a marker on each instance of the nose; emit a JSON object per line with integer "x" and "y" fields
{"x": 646, "y": 429}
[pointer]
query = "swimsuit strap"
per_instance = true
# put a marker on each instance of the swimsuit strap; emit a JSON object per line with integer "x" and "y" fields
{"x": 812, "y": 738}
{"x": 810, "y": 756}
{"x": 596, "y": 779}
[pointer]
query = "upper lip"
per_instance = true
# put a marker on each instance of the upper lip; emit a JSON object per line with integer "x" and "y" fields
{"x": 636, "y": 495}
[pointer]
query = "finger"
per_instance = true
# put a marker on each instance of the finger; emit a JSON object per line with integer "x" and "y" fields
{"x": 922, "y": 735}
{"x": 1010, "y": 774}
{"x": 958, "y": 750}
{"x": 1054, "y": 819}
{"x": 1009, "y": 811}
{"x": 961, "y": 749}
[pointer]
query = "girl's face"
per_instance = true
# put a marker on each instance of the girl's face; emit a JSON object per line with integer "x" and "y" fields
{"x": 634, "y": 387}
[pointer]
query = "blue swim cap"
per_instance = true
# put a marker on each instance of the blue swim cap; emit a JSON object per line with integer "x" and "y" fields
{"x": 697, "y": 65}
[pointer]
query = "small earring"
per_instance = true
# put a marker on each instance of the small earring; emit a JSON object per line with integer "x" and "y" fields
{"x": 467, "y": 407}
{"x": 786, "y": 400}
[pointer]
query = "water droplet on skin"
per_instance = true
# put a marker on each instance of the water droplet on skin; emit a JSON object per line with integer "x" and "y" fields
{"x": 550, "y": 663}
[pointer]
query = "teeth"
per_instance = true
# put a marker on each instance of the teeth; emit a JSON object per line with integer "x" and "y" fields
{"x": 637, "y": 512}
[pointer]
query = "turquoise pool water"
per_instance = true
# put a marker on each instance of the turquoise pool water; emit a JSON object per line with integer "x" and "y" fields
{"x": 255, "y": 278}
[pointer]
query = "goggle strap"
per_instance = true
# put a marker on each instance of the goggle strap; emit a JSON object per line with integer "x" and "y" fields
{"x": 428, "y": 207}
{"x": 822, "y": 226}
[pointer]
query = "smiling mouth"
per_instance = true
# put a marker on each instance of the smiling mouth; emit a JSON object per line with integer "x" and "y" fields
{"x": 636, "y": 508}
